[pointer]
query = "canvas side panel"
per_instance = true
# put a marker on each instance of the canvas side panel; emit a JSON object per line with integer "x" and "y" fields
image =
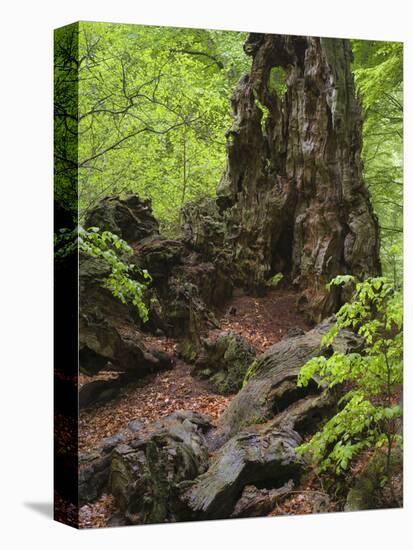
{"x": 66, "y": 56}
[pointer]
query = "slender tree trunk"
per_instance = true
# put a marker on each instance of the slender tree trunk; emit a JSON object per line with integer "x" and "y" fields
{"x": 184, "y": 175}
{"x": 292, "y": 196}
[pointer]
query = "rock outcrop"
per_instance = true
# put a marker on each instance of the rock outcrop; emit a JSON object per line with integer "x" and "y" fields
{"x": 251, "y": 457}
{"x": 146, "y": 473}
{"x": 272, "y": 392}
{"x": 187, "y": 285}
{"x": 108, "y": 331}
{"x": 130, "y": 218}
{"x": 224, "y": 360}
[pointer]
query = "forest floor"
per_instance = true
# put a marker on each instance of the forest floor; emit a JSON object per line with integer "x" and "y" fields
{"x": 262, "y": 321}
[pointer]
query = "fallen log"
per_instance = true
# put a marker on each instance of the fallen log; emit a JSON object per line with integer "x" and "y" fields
{"x": 272, "y": 386}
{"x": 264, "y": 455}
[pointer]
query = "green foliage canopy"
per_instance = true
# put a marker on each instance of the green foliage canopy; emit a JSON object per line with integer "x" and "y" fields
{"x": 145, "y": 110}
{"x": 153, "y": 111}
{"x": 378, "y": 69}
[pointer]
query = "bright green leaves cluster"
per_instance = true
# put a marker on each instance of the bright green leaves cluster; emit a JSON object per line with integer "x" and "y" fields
{"x": 344, "y": 436}
{"x": 252, "y": 369}
{"x": 125, "y": 281}
{"x": 153, "y": 111}
{"x": 277, "y": 81}
{"x": 276, "y": 279}
{"x": 378, "y": 69}
{"x": 368, "y": 414}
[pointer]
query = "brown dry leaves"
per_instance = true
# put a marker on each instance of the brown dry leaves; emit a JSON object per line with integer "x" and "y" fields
{"x": 162, "y": 395}
{"x": 103, "y": 375}
{"x": 307, "y": 498}
{"x": 262, "y": 321}
{"x": 265, "y": 320}
{"x": 97, "y": 514}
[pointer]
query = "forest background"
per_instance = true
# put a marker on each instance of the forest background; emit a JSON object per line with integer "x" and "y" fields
{"x": 154, "y": 110}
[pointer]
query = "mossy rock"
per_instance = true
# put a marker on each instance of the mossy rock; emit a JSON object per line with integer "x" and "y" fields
{"x": 146, "y": 474}
{"x": 128, "y": 216}
{"x": 224, "y": 359}
{"x": 159, "y": 256}
{"x": 188, "y": 351}
{"x": 271, "y": 386}
{"x": 364, "y": 493}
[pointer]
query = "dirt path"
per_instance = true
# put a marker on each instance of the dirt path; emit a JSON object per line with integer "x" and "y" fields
{"x": 262, "y": 321}
{"x": 157, "y": 396}
{"x": 162, "y": 394}
{"x": 265, "y": 320}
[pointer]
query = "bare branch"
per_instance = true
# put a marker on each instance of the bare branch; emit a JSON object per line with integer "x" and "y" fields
{"x": 129, "y": 136}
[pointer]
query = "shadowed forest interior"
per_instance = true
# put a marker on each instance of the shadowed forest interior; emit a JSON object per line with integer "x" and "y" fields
{"x": 230, "y": 205}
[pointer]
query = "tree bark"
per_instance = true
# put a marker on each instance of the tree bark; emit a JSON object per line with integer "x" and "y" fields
{"x": 292, "y": 197}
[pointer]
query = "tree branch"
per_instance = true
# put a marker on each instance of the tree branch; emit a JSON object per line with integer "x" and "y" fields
{"x": 129, "y": 136}
{"x": 216, "y": 61}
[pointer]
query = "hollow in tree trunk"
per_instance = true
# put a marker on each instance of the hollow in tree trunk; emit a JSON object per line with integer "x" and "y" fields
{"x": 292, "y": 197}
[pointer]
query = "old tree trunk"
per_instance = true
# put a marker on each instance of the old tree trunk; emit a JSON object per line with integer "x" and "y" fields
{"x": 292, "y": 198}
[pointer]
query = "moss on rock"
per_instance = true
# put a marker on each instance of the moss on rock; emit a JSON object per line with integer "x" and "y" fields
{"x": 224, "y": 361}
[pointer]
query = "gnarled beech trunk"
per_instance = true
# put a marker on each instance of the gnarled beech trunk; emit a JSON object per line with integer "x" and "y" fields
{"x": 292, "y": 197}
